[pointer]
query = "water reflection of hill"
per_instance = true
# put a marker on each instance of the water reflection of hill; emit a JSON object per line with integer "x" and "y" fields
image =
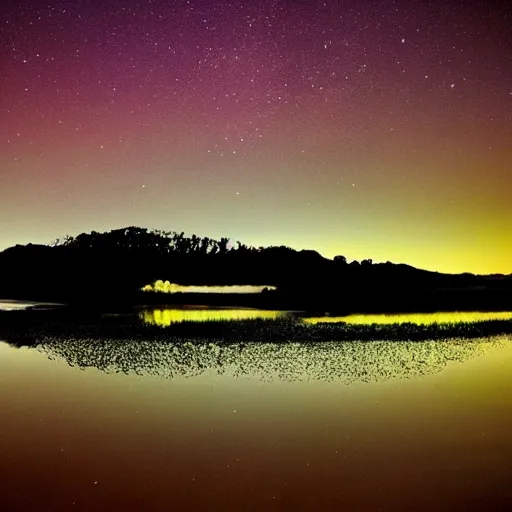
{"x": 346, "y": 362}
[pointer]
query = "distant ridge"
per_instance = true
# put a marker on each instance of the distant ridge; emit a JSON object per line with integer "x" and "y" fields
{"x": 114, "y": 266}
{"x": 193, "y": 243}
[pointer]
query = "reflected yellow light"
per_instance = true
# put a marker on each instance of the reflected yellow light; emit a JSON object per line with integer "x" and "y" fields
{"x": 414, "y": 318}
{"x": 166, "y": 317}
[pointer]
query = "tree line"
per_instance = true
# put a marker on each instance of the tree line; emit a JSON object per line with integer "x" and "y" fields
{"x": 115, "y": 265}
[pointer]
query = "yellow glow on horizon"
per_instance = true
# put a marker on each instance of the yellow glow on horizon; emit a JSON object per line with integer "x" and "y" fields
{"x": 443, "y": 238}
{"x": 414, "y": 318}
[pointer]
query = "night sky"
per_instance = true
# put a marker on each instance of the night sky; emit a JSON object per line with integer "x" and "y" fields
{"x": 371, "y": 129}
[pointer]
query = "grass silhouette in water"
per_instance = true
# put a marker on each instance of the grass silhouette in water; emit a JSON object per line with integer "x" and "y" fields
{"x": 33, "y": 325}
{"x": 345, "y": 362}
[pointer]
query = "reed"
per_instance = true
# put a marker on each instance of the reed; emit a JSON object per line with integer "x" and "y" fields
{"x": 29, "y": 326}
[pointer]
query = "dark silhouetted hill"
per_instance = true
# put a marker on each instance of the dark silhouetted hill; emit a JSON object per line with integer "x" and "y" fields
{"x": 109, "y": 269}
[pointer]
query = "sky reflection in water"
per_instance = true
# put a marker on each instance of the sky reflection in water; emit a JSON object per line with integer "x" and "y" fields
{"x": 415, "y": 318}
{"x": 167, "y": 316}
{"x": 164, "y": 317}
{"x": 135, "y": 425}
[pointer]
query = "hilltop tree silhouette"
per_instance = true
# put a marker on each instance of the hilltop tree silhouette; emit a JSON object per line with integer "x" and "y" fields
{"x": 112, "y": 268}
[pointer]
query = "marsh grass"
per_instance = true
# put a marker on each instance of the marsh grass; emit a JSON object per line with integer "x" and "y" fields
{"x": 26, "y": 327}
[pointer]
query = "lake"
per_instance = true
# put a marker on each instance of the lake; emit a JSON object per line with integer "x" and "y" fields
{"x": 15, "y": 305}
{"x": 132, "y": 425}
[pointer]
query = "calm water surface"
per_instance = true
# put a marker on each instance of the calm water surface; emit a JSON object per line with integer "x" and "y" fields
{"x": 15, "y": 305}
{"x": 416, "y": 318}
{"x": 99, "y": 425}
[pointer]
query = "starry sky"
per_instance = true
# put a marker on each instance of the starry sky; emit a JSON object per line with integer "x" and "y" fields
{"x": 372, "y": 129}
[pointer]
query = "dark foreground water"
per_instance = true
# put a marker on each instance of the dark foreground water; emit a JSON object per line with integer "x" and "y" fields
{"x": 99, "y": 425}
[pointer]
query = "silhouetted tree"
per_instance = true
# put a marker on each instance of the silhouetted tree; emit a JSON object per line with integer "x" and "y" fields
{"x": 113, "y": 266}
{"x": 340, "y": 260}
